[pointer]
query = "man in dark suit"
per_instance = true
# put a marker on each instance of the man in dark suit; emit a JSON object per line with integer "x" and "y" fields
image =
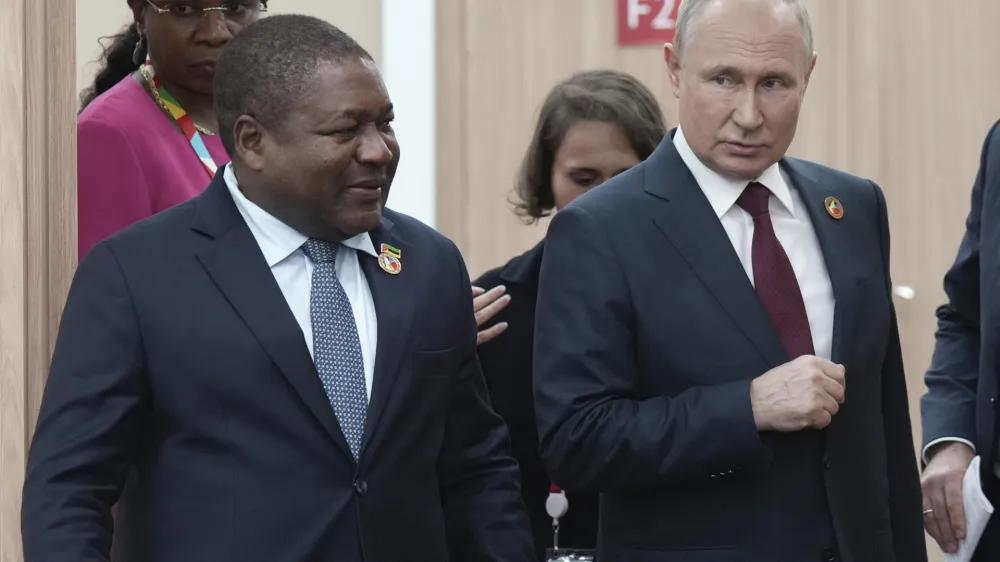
{"x": 291, "y": 369}
{"x": 959, "y": 410}
{"x": 716, "y": 348}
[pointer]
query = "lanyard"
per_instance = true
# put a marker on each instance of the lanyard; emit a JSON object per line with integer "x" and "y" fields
{"x": 173, "y": 107}
{"x": 556, "y": 505}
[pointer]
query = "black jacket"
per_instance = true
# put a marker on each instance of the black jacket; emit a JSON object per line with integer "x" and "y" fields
{"x": 506, "y": 362}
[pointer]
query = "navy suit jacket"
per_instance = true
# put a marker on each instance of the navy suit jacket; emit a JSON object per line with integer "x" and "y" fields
{"x": 178, "y": 355}
{"x": 965, "y": 369}
{"x": 648, "y": 334}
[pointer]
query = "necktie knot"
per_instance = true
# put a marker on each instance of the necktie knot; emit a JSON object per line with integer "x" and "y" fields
{"x": 754, "y": 199}
{"x": 320, "y": 251}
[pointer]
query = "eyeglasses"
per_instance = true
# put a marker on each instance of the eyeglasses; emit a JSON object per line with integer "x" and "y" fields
{"x": 240, "y": 12}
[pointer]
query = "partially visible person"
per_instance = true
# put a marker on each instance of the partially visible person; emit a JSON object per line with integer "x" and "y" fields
{"x": 290, "y": 366}
{"x": 146, "y": 136}
{"x": 592, "y": 127}
{"x": 716, "y": 348}
{"x": 960, "y": 418}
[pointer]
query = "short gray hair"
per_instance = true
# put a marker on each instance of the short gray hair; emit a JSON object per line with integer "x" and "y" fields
{"x": 691, "y": 10}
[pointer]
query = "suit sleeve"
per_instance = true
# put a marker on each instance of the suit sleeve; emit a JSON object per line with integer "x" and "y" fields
{"x": 903, "y": 474}
{"x": 89, "y": 422}
{"x": 112, "y": 191}
{"x": 597, "y": 429}
{"x": 480, "y": 483}
{"x": 948, "y": 410}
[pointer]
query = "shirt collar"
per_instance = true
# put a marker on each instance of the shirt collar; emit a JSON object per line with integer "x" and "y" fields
{"x": 722, "y": 192}
{"x": 276, "y": 239}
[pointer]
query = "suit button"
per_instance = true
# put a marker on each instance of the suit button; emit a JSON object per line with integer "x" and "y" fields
{"x": 826, "y": 461}
{"x": 361, "y": 487}
{"x": 830, "y": 554}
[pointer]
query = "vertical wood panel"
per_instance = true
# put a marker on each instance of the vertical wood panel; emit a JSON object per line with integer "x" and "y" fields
{"x": 12, "y": 275}
{"x": 37, "y": 223}
{"x": 452, "y": 195}
{"x": 903, "y": 94}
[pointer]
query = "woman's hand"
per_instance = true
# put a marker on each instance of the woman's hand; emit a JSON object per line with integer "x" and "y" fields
{"x": 486, "y": 305}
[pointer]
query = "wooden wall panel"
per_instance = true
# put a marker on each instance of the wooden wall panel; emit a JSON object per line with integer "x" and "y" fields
{"x": 37, "y": 223}
{"x": 903, "y": 93}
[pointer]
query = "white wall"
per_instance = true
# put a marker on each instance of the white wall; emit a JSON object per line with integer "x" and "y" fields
{"x": 408, "y": 52}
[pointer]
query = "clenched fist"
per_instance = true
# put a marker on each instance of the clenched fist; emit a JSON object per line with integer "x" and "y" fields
{"x": 804, "y": 393}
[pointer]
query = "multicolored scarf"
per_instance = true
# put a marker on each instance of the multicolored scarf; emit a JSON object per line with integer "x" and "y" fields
{"x": 184, "y": 120}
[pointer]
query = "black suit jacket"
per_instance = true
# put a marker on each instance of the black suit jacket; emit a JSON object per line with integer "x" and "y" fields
{"x": 648, "y": 333}
{"x": 178, "y": 353}
{"x": 965, "y": 370}
{"x": 506, "y": 362}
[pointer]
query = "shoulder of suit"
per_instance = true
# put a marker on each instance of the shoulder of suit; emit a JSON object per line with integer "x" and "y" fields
{"x": 416, "y": 232}
{"x": 611, "y": 194}
{"x": 840, "y": 180}
{"x": 158, "y": 229}
{"x": 828, "y": 174}
{"x": 991, "y": 149}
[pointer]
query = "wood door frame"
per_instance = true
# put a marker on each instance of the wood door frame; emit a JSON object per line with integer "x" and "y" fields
{"x": 37, "y": 223}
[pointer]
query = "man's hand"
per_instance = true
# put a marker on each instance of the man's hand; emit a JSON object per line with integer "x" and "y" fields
{"x": 486, "y": 305}
{"x": 804, "y": 393}
{"x": 944, "y": 511}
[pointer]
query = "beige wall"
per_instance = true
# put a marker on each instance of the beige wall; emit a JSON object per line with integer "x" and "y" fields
{"x": 100, "y": 18}
{"x": 904, "y": 92}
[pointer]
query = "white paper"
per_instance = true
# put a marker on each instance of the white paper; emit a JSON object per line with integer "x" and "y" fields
{"x": 977, "y": 513}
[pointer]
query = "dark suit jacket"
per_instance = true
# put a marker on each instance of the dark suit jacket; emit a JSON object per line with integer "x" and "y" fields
{"x": 178, "y": 353}
{"x": 965, "y": 370}
{"x": 506, "y": 362}
{"x": 648, "y": 333}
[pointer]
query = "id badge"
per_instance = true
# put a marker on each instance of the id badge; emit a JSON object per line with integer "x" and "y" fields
{"x": 556, "y": 506}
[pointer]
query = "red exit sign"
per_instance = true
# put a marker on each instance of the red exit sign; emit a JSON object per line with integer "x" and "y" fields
{"x": 647, "y": 22}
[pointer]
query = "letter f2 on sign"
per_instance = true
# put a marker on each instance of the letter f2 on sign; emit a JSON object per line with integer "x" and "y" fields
{"x": 646, "y": 22}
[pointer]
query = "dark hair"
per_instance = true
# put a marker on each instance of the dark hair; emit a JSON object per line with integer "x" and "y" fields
{"x": 118, "y": 63}
{"x": 269, "y": 66}
{"x": 596, "y": 95}
{"x": 117, "y": 57}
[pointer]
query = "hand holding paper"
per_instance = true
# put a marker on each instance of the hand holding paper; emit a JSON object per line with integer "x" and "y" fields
{"x": 977, "y": 514}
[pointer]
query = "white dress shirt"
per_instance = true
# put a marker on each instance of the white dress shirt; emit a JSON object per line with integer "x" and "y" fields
{"x": 282, "y": 248}
{"x": 792, "y": 226}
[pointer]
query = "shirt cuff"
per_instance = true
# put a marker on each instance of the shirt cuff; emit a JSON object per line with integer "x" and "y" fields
{"x": 928, "y": 446}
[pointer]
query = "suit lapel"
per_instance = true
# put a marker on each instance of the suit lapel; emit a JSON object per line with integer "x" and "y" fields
{"x": 235, "y": 263}
{"x": 832, "y": 234}
{"x": 687, "y": 219}
{"x": 394, "y": 304}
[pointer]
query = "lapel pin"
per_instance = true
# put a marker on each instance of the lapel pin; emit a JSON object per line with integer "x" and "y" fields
{"x": 390, "y": 259}
{"x": 834, "y": 208}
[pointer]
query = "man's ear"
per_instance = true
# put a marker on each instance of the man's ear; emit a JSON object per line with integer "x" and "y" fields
{"x": 812, "y": 66}
{"x": 249, "y": 138}
{"x": 673, "y": 66}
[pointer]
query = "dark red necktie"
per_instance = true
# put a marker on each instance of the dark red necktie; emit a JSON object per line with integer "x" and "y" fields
{"x": 774, "y": 279}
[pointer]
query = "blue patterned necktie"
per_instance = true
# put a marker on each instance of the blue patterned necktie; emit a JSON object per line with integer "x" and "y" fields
{"x": 336, "y": 346}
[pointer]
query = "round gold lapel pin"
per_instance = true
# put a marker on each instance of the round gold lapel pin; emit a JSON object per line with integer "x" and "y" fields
{"x": 834, "y": 208}
{"x": 389, "y": 264}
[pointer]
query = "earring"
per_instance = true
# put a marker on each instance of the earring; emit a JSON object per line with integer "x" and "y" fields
{"x": 139, "y": 54}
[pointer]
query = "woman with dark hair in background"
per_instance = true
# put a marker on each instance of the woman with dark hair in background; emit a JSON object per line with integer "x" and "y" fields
{"x": 592, "y": 126}
{"x": 146, "y": 135}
